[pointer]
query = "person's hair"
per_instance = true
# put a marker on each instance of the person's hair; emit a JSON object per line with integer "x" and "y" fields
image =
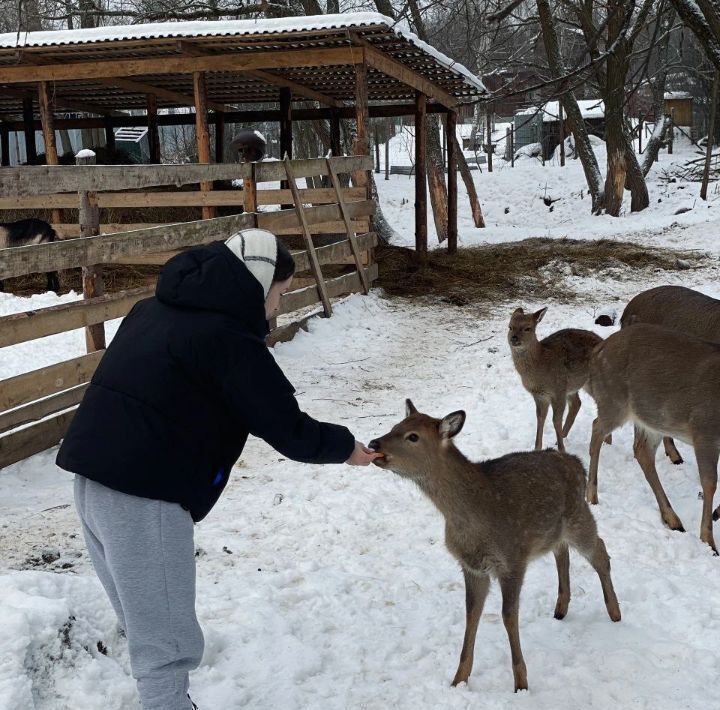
{"x": 284, "y": 264}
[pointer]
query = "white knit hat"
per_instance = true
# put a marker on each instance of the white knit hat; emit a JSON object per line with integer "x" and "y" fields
{"x": 257, "y": 248}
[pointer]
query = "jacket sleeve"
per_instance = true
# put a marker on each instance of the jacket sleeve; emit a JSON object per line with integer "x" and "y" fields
{"x": 259, "y": 395}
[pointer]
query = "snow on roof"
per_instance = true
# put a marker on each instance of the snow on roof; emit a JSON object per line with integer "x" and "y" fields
{"x": 674, "y": 95}
{"x": 226, "y": 28}
{"x": 589, "y": 108}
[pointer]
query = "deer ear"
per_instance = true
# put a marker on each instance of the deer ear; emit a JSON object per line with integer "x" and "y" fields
{"x": 452, "y": 424}
{"x": 409, "y": 408}
{"x": 539, "y": 315}
{"x": 518, "y": 312}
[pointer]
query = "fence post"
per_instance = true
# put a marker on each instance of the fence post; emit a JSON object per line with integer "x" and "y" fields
{"x": 672, "y": 131}
{"x": 250, "y": 191}
{"x": 92, "y": 277}
{"x": 562, "y": 133}
{"x": 512, "y": 146}
{"x": 488, "y": 119}
{"x": 640, "y": 130}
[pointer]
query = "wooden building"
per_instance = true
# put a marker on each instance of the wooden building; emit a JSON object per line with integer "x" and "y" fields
{"x": 349, "y": 66}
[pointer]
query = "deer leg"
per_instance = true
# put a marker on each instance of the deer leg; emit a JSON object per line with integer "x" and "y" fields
{"x": 573, "y": 409}
{"x": 599, "y": 432}
{"x": 562, "y": 560}
{"x": 511, "y": 585}
{"x": 541, "y": 410}
{"x": 476, "y": 589}
{"x": 644, "y": 447}
{"x": 671, "y": 451}
{"x": 558, "y": 407}
{"x": 707, "y": 459}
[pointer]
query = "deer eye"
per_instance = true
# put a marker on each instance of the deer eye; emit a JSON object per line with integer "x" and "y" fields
{"x": 412, "y": 437}
{"x": 527, "y": 330}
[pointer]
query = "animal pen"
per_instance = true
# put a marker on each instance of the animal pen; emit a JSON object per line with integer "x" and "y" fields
{"x": 339, "y": 67}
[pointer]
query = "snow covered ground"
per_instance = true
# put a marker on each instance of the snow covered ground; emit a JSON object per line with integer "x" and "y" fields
{"x": 329, "y": 588}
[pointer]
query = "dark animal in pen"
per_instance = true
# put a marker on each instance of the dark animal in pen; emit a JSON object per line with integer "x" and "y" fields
{"x": 26, "y": 232}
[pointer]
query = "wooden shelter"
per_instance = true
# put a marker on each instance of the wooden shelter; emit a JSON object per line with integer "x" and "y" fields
{"x": 349, "y": 66}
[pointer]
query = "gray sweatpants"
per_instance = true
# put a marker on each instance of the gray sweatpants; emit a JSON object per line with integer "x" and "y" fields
{"x": 144, "y": 555}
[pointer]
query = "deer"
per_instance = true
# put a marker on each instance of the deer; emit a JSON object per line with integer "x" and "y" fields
{"x": 680, "y": 309}
{"x": 499, "y": 515}
{"x": 552, "y": 370}
{"x": 26, "y": 232}
{"x": 667, "y": 384}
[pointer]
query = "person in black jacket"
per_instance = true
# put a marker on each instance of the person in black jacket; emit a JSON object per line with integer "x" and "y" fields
{"x": 183, "y": 383}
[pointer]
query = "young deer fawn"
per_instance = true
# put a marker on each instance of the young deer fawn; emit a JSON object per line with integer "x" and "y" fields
{"x": 666, "y": 384}
{"x": 682, "y": 310}
{"x": 499, "y": 515}
{"x": 552, "y": 370}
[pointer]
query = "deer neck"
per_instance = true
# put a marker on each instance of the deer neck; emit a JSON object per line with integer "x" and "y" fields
{"x": 529, "y": 355}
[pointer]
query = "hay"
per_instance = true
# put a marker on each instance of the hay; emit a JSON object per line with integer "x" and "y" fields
{"x": 534, "y": 268}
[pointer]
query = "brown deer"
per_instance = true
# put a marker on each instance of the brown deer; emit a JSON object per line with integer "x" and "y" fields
{"x": 552, "y": 370}
{"x": 499, "y": 515}
{"x": 666, "y": 384}
{"x": 680, "y": 309}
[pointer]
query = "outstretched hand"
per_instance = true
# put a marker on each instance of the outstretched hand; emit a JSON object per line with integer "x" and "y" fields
{"x": 362, "y": 456}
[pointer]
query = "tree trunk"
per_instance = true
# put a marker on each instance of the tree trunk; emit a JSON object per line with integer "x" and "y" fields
{"x": 436, "y": 177}
{"x": 467, "y": 178}
{"x": 653, "y": 145}
{"x": 583, "y": 147}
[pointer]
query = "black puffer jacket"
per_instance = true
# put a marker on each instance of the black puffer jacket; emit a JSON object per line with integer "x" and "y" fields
{"x": 185, "y": 380}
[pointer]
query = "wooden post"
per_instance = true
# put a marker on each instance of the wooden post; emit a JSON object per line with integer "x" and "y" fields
{"x": 561, "y": 115}
{"x": 335, "y": 146}
{"x": 512, "y": 146}
{"x": 451, "y": 131}
{"x": 488, "y": 119}
{"x": 640, "y": 130}
{"x": 314, "y": 263}
{"x": 220, "y": 137}
{"x": 377, "y": 150}
{"x": 47, "y": 120}
{"x": 250, "y": 191}
{"x": 29, "y": 129}
{"x": 672, "y": 131}
{"x": 421, "y": 243}
{"x": 109, "y": 134}
{"x": 443, "y": 141}
{"x": 361, "y": 145}
{"x": 387, "y": 147}
{"x": 92, "y": 276}
{"x": 202, "y": 132}
{"x": 153, "y": 133}
{"x": 286, "y": 136}
{"x": 711, "y": 135}
{"x": 4, "y": 145}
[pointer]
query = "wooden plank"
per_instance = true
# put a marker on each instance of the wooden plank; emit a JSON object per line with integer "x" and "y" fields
{"x": 349, "y": 283}
{"x": 314, "y": 264}
{"x": 21, "y": 327}
{"x": 348, "y": 226}
{"x": 18, "y": 445}
{"x": 361, "y": 144}
{"x": 44, "y": 179}
{"x": 336, "y": 227}
{"x": 109, "y": 69}
{"x": 47, "y": 119}
{"x": 138, "y": 87}
{"x": 112, "y": 248}
{"x": 42, "y": 408}
{"x": 297, "y": 89}
{"x": 28, "y": 126}
{"x": 47, "y": 381}
{"x": 153, "y": 131}
{"x": 309, "y": 196}
{"x": 250, "y": 196}
{"x": 402, "y": 73}
{"x": 451, "y": 131}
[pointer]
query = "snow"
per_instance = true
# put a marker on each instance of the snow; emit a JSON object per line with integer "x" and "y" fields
{"x": 329, "y": 588}
{"x": 589, "y": 108}
{"x": 227, "y": 28}
{"x": 675, "y": 95}
{"x": 85, "y": 153}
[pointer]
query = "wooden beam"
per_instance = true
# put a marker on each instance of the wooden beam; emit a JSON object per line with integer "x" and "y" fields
{"x": 153, "y": 133}
{"x": 40, "y": 180}
{"x": 244, "y": 61}
{"x": 43, "y": 408}
{"x": 335, "y": 137}
{"x": 314, "y": 264}
{"x": 70, "y": 104}
{"x": 109, "y": 135}
{"x": 286, "y": 137}
{"x": 4, "y": 145}
{"x": 451, "y": 132}
{"x": 202, "y": 132}
{"x": 175, "y": 97}
{"x": 361, "y": 145}
{"x": 421, "y": 243}
{"x": 404, "y": 74}
{"x": 48, "y": 123}
{"x": 29, "y": 129}
{"x": 46, "y": 381}
{"x": 220, "y": 138}
{"x": 297, "y": 89}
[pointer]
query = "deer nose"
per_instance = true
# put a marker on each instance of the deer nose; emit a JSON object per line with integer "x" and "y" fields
{"x": 374, "y": 445}
{"x": 514, "y": 339}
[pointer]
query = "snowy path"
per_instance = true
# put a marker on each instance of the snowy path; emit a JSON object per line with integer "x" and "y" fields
{"x": 329, "y": 588}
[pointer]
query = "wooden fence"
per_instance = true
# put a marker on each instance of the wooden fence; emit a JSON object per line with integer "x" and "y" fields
{"x": 37, "y": 407}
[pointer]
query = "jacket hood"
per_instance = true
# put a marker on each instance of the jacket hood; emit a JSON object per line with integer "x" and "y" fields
{"x": 212, "y": 278}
